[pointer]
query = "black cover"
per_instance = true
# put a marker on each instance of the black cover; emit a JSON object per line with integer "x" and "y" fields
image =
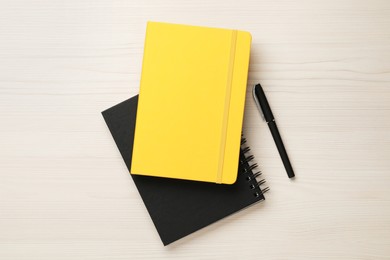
{"x": 180, "y": 207}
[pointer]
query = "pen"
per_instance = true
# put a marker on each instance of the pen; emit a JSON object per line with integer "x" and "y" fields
{"x": 262, "y": 103}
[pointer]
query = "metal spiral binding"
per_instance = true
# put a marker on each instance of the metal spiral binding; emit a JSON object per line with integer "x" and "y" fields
{"x": 248, "y": 169}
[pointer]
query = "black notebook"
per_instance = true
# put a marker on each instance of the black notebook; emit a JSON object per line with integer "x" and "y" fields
{"x": 179, "y": 207}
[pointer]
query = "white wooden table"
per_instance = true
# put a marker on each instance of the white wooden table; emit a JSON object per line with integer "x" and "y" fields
{"x": 65, "y": 192}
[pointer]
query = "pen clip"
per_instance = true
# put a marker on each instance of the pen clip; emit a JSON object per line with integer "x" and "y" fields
{"x": 257, "y": 102}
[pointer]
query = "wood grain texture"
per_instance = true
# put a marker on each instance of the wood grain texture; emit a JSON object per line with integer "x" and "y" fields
{"x": 65, "y": 192}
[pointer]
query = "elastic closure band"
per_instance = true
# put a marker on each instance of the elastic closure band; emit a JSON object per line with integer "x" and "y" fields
{"x": 227, "y": 105}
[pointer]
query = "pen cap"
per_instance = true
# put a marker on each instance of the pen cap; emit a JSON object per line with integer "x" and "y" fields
{"x": 263, "y": 103}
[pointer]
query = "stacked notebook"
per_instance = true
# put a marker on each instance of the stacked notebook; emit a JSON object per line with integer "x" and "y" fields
{"x": 181, "y": 137}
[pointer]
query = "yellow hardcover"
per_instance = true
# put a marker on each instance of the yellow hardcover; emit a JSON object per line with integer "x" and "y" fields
{"x": 191, "y": 103}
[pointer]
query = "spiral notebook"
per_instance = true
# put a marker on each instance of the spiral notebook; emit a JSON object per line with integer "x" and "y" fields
{"x": 181, "y": 207}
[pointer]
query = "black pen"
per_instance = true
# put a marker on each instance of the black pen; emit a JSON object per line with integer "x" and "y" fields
{"x": 262, "y": 103}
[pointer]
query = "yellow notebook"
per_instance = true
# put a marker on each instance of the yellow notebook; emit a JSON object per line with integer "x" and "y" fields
{"x": 191, "y": 103}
